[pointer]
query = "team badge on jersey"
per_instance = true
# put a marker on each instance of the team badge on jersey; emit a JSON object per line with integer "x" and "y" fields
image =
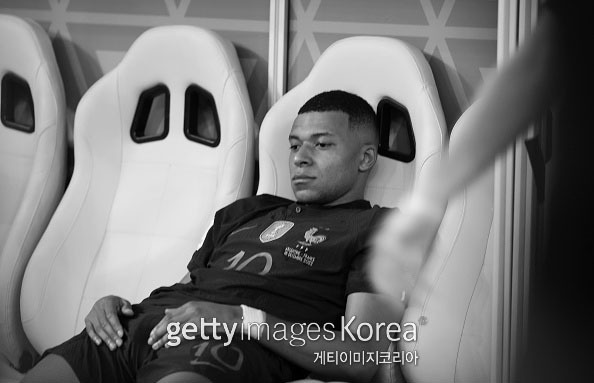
{"x": 276, "y": 230}
{"x": 311, "y": 238}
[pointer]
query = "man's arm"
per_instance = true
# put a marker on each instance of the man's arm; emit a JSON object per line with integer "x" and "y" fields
{"x": 524, "y": 86}
{"x": 364, "y": 308}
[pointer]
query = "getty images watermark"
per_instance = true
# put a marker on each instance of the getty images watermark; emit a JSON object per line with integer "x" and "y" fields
{"x": 298, "y": 334}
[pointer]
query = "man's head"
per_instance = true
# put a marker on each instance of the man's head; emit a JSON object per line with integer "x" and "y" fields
{"x": 333, "y": 145}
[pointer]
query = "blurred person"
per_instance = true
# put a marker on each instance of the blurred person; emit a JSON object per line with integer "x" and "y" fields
{"x": 549, "y": 70}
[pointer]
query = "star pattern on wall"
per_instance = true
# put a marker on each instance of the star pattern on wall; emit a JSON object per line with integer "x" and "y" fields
{"x": 305, "y": 24}
{"x": 59, "y": 20}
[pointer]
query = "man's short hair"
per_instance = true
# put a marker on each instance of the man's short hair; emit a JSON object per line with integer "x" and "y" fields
{"x": 361, "y": 114}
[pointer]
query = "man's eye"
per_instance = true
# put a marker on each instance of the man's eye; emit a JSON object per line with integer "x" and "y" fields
{"x": 323, "y": 145}
{"x": 294, "y": 147}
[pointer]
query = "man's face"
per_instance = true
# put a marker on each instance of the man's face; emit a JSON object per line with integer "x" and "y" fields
{"x": 324, "y": 158}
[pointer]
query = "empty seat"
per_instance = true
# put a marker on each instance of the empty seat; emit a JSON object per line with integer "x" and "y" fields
{"x": 160, "y": 143}
{"x": 32, "y": 159}
{"x": 396, "y": 80}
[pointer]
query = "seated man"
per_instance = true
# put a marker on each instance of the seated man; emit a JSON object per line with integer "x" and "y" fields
{"x": 291, "y": 269}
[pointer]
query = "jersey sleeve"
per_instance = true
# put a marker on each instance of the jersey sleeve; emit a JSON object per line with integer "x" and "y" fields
{"x": 358, "y": 279}
{"x": 202, "y": 255}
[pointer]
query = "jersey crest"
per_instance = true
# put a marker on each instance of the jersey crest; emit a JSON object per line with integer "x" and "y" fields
{"x": 311, "y": 238}
{"x": 276, "y": 230}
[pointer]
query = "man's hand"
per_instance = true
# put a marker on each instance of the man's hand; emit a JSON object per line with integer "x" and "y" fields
{"x": 192, "y": 312}
{"x": 402, "y": 245}
{"x": 102, "y": 323}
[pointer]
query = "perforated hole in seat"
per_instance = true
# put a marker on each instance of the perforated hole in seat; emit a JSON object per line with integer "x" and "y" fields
{"x": 397, "y": 139}
{"x": 201, "y": 122}
{"x": 17, "y": 104}
{"x": 151, "y": 119}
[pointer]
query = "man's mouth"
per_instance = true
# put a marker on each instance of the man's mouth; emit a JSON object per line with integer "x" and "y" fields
{"x": 302, "y": 179}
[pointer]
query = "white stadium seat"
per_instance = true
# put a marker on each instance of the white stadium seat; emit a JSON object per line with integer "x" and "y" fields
{"x": 160, "y": 143}
{"x": 376, "y": 69}
{"x": 32, "y": 161}
{"x": 451, "y": 304}
{"x": 395, "y": 79}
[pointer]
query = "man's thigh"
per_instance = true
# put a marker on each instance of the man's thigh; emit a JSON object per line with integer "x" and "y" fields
{"x": 240, "y": 361}
{"x": 98, "y": 364}
{"x": 51, "y": 369}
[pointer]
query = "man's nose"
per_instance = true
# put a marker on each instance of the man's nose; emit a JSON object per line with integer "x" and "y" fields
{"x": 302, "y": 156}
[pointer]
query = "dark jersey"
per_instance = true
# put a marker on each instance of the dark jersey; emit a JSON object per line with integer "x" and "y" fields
{"x": 297, "y": 262}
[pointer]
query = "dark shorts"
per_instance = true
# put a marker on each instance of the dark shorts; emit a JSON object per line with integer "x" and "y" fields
{"x": 136, "y": 361}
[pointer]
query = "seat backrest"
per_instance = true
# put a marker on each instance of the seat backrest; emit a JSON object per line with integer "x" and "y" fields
{"x": 161, "y": 142}
{"x": 32, "y": 157}
{"x": 395, "y": 78}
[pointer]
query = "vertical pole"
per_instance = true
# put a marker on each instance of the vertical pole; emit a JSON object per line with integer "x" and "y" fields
{"x": 277, "y": 50}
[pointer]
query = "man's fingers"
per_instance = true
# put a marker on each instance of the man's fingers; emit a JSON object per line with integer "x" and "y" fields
{"x": 100, "y": 330}
{"x": 179, "y": 315}
{"x": 160, "y": 342}
{"x": 91, "y": 332}
{"x": 115, "y": 325}
{"x": 158, "y": 331}
{"x": 106, "y": 323}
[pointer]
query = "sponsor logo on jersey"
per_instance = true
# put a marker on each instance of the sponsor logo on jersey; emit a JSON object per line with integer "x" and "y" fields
{"x": 276, "y": 230}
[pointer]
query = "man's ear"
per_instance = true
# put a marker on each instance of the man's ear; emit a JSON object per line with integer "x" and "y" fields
{"x": 368, "y": 158}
